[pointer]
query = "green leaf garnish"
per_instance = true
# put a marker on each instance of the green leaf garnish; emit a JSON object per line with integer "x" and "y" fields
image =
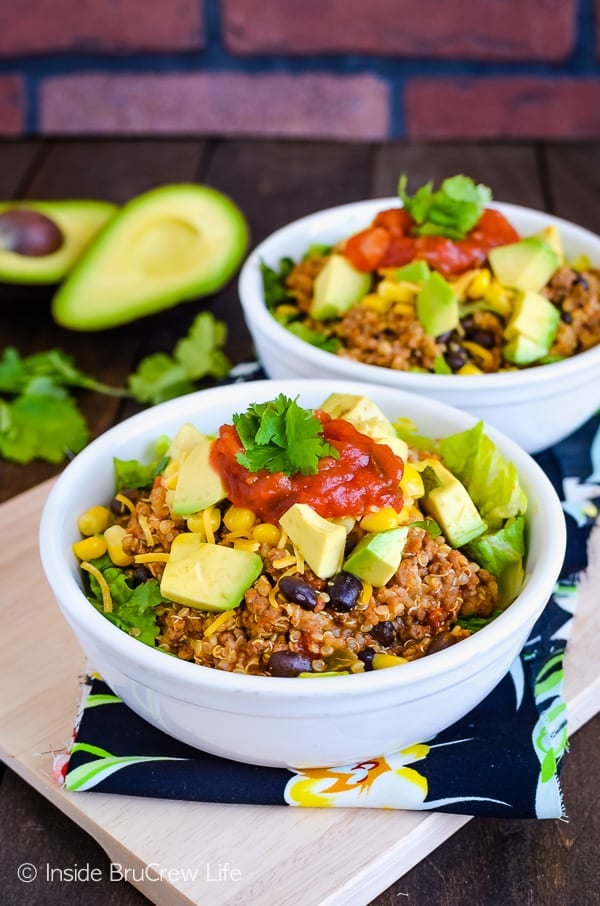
{"x": 314, "y": 337}
{"x": 274, "y": 286}
{"x": 133, "y": 608}
{"x": 281, "y": 436}
{"x": 452, "y": 211}
{"x": 161, "y": 377}
{"x": 42, "y": 423}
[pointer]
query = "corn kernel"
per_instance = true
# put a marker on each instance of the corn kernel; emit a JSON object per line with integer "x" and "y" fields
{"x": 412, "y": 483}
{"x": 265, "y": 533}
{"x": 196, "y": 523}
{"x": 461, "y": 283}
{"x": 239, "y": 519}
{"x": 113, "y": 536}
{"x": 94, "y": 521}
{"x": 409, "y": 513}
{"x": 403, "y": 308}
{"x": 90, "y": 548}
{"x": 480, "y": 284}
{"x": 381, "y": 521}
{"x": 397, "y": 292}
{"x": 469, "y": 368}
{"x": 376, "y": 303}
{"x": 170, "y": 481}
{"x": 381, "y": 661}
{"x": 499, "y": 298}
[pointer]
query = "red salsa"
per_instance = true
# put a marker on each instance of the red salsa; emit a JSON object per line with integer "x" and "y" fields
{"x": 366, "y": 476}
{"x": 390, "y": 243}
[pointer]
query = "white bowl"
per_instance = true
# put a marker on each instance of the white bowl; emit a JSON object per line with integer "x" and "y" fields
{"x": 536, "y": 406}
{"x": 292, "y": 721}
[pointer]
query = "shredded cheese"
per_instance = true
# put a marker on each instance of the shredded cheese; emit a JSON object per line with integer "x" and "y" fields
{"x": 126, "y": 502}
{"x": 157, "y": 557}
{"x": 107, "y": 602}
{"x": 208, "y": 529}
{"x": 365, "y": 595}
{"x": 145, "y": 527}
{"x": 221, "y": 622}
{"x": 244, "y": 544}
{"x": 283, "y": 540}
{"x": 299, "y": 560}
{"x": 284, "y": 562}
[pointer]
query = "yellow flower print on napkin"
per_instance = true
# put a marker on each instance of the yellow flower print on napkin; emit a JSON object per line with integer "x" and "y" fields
{"x": 384, "y": 782}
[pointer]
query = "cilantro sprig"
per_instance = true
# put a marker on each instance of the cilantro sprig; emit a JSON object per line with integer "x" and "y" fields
{"x": 281, "y": 436}
{"x": 39, "y": 414}
{"x": 452, "y": 211}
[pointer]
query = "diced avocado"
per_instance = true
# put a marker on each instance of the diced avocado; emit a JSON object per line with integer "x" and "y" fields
{"x": 337, "y": 288}
{"x": 551, "y": 235}
{"x": 377, "y": 556}
{"x": 522, "y": 350}
{"x": 448, "y": 502}
{"x": 360, "y": 411}
{"x": 208, "y": 576}
{"x": 415, "y": 272}
{"x": 526, "y": 265}
{"x": 396, "y": 445}
{"x": 535, "y": 317}
{"x": 78, "y": 221}
{"x": 186, "y": 438}
{"x": 320, "y": 541}
{"x": 437, "y": 306}
{"x": 172, "y": 243}
{"x": 199, "y": 485}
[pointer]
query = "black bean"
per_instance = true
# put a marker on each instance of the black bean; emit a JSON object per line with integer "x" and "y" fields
{"x": 567, "y": 317}
{"x": 288, "y": 663}
{"x": 456, "y": 358}
{"x": 484, "y": 338}
{"x": 141, "y": 574}
{"x": 299, "y": 591}
{"x": 581, "y": 281}
{"x": 442, "y": 640}
{"x": 344, "y": 591}
{"x": 384, "y": 633}
{"x": 366, "y": 656}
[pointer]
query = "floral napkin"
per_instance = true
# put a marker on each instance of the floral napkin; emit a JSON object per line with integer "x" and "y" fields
{"x": 502, "y": 759}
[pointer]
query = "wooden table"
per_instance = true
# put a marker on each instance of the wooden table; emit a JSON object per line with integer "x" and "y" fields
{"x": 488, "y": 861}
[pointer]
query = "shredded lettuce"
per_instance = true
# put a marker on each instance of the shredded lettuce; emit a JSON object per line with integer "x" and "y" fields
{"x": 133, "y": 608}
{"x": 130, "y": 473}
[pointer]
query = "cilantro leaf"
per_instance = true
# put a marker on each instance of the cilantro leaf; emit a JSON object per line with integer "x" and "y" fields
{"x": 54, "y": 364}
{"x": 281, "y": 436}
{"x": 274, "y": 286}
{"x": 41, "y": 425}
{"x": 452, "y": 211}
{"x": 161, "y": 377}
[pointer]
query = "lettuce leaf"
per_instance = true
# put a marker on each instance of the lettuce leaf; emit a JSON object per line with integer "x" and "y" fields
{"x": 130, "y": 473}
{"x": 133, "y": 608}
{"x": 501, "y": 553}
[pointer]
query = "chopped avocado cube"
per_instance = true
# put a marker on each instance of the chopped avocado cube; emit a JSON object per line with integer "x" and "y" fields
{"x": 551, "y": 235}
{"x": 208, "y": 576}
{"x": 396, "y": 445}
{"x": 415, "y": 272}
{"x": 437, "y": 306}
{"x": 199, "y": 485}
{"x": 361, "y": 412}
{"x": 534, "y": 317}
{"x": 377, "y": 556}
{"x": 186, "y": 438}
{"x": 320, "y": 541}
{"x": 522, "y": 350}
{"x": 337, "y": 288}
{"x": 448, "y": 502}
{"x": 525, "y": 265}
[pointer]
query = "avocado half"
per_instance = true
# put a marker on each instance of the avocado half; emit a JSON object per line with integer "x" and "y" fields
{"x": 78, "y": 220}
{"x": 172, "y": 243}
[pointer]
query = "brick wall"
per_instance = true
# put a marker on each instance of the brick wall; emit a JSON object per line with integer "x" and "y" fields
{"x": 431, "y": 69}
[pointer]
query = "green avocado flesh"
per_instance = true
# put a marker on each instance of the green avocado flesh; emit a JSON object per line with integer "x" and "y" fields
{"x": 79, "y": 221}
{"x": 173, "y": 243}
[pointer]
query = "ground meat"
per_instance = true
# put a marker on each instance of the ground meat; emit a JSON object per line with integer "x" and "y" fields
{"x": 389, "y": 339}
{"x": 153, "y": 513}
{"x": 433, "y": 585}
{"x": 578, "y": 297}
{"x": 301, "y": 279}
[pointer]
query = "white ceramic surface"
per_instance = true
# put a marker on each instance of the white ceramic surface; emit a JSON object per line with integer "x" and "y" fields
{"x": 535, "y": 407}
{"x": 291, "y": 721}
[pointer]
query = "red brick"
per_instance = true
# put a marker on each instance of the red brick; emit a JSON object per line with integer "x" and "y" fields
{"x": 278, "y": 104}
{"x": 510, "y": 107}
{"x": 90, "y": 26}
{"x": 452, "y": 29}
{"x": 12, "y": 105}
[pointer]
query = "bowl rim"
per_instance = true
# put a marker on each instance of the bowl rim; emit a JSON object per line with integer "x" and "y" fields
{"x": 258, "y": 315}
{"x": 146, "y": 425}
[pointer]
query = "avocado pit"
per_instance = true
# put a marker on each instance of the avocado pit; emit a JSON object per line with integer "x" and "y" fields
{"x": 29, "y": 233}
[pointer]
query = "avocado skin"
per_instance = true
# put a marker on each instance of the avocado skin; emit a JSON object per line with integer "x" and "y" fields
{"x": 80, "y": 221}
{"x": 110, "y": 287}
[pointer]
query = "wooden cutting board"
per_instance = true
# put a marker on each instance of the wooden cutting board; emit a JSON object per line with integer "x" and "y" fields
{"x": 350, "y": 855}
